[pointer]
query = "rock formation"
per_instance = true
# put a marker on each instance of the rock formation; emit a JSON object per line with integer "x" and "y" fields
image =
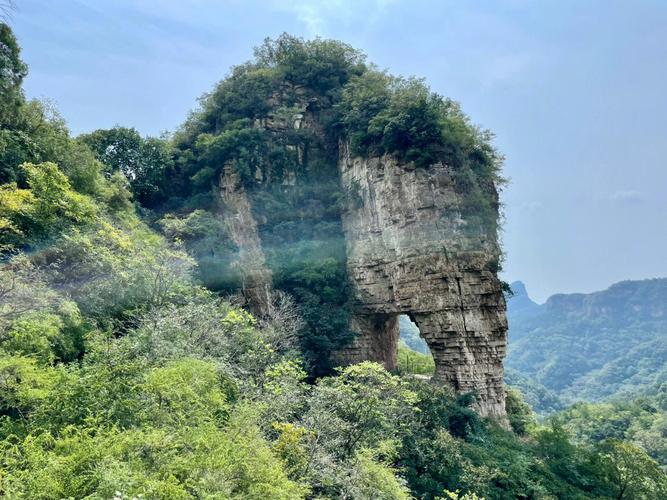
{"x": 410, "y": 252}
{"x": 242, "y": 227}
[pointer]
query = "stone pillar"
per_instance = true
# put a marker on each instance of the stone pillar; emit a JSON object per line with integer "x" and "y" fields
{"x": 377, "y": 340}
{"x": 257, "y": 279}
{"x": 468, "y": 346}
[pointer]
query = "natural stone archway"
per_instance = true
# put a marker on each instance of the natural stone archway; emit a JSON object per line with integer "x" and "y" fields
{"x": 469, "y": 359}
{"x": 410, "y": 251}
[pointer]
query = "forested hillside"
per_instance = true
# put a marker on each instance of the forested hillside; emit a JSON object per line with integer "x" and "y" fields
{"x": 123, "y": 375}
{"x": 591, "y": 347}
{"x": 606, "y": 346}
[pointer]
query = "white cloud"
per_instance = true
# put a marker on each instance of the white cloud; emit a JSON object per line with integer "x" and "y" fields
{"x": 316, "y": 16}
{"x": 627, "y": 196}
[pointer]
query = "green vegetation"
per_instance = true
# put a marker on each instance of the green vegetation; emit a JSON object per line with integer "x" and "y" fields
{"x": 618, "y": 361}
{"x": 145, "y": 162}
{"x": 121, "y": 376}
{"x": 32, "y": 131}
{"x": 303, "y": 240}
{"x": 541, "y": 399}
{"x": 642, "y": 422}
{"x": 205, "y": 237}
{"x": 277, "y": 122}
{"x": 592, "y": 347}
{"x": 382, "y": 114}
{"x": 413, "y": 362}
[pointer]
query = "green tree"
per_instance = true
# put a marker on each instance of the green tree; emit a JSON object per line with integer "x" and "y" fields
{"x": 372, "y": 478}
{"x": 641, "y": 422}
{"x": 145, "y": 162}
{"x": 413, "y": 362}
{"x": 323, "y": 65}
{"x": 24, "y": 385}
{"x": 23, "y": 290}
{"x": 165, "y": 463}
{"x": 359, "y": 407}
{"x": 46, "y": 207}
{"x": 12, "y": 72}
{"x": 186, "y": 391}
{"x": 519, "y": 413}
{"x": 632, "y": 472}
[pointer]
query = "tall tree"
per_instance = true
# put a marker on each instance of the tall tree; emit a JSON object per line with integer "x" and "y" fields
{"x": 142, "y": 161}
{"x": 12, "y": 72}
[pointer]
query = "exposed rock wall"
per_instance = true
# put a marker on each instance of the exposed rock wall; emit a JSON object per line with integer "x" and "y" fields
{"x": 410, "y": 252}
{"x": 257, "y": 279}
{"x": 377, "y": 340}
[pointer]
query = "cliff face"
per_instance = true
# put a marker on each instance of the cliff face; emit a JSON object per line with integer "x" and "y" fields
{"x": 405, "y": 224}
{"x": 410, "y": 252}
{"x": 237, "y": 215}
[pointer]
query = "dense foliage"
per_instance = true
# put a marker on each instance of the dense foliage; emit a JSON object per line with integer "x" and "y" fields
{"x": 13, "y": 71}
{"x": 145, "y": 162}
{"x": 541, "y": 399}
{"x": 250, "y": 122}
{"x": 122, "y": 377}
{"x": 618, "y": 357}
{"x": 642, "y": 421}
{"x": 414, "y": 362}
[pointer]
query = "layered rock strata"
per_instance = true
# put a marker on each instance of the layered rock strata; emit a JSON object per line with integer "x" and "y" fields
{"x": 410, "y": 252}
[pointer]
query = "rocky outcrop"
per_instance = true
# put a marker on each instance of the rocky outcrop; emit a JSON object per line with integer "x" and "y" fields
{"x": 411, "y": 252}
{"x": 257, "y": 280}
{"x": 411, "y": 249}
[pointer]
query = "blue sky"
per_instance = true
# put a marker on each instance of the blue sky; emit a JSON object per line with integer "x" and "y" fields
{"x": 575, "y": 91}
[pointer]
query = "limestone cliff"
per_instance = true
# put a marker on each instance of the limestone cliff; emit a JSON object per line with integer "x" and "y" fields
{"x": 256, "y": 277}
{"x": 363, "y": 196}
{"x": 410, "y": 252}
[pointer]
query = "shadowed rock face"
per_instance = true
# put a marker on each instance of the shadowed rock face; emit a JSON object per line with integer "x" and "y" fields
{"x": 410, "y": 252}
{"x": 257, "y": 280}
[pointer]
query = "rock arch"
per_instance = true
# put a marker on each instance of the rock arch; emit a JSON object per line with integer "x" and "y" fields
{"x": 411, "y": 252}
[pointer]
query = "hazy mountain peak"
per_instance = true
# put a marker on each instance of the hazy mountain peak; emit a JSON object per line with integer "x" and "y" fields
{"x": 519, "y": 288}
{"x": 592, "y": 346}
{"x": 520, "y": 304}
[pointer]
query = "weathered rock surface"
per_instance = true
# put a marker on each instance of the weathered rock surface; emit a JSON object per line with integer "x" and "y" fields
{"x": 410, "y": 252}
{"x": 242, "y": 227}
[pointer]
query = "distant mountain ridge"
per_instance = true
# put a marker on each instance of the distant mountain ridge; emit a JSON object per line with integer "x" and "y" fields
{"x": 595, "y": 346}
{"x": 519, "y": 304}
